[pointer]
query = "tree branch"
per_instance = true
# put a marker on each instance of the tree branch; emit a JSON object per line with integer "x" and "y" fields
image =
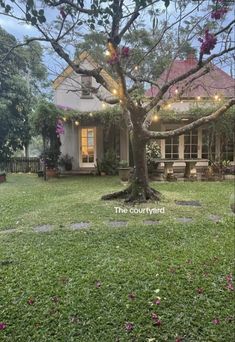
{"x": 200, "y": 122}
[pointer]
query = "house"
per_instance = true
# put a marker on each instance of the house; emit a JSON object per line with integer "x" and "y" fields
{"x": 87, "y": 141}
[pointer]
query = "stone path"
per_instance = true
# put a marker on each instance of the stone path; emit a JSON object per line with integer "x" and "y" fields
{"x": 214, "y": 218}
{"x": 10, "y": 230}
{"x": 190, "y": 203}
{"x": 184, "y": 219}
{"x": 43, "y": 229}
{"x": 80, "y": 225}
{"x": 115, "y": 224}
{"x": 151, "y": 222}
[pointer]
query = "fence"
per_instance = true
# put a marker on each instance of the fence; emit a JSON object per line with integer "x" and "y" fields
{"x": 21, "y": 165}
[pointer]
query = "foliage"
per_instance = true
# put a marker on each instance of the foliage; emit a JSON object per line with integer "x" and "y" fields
{"x": 20, "y": 73}
{"x": 153, "y": 152}
{"x": 123, "y": 164}
{"x": 110, "y": 116}
{"x": 109, "y": 163}
{"x": 65, "y": 159}
{"x": 44, "y": 121}
{"x": 49, "y": 292}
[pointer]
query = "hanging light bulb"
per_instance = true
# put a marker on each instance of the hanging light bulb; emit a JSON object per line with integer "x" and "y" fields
{"x": 216, "y": 97}
{"x": 136, "y": 68}
{"x": 76, "y": 123}
{"x": 176, "y": 91}
{"x": 64, "y": 118}
{"x": 155, "y": 118}
{"x": 114, "y": 91}
{"x": 107, "y": 53}
{"x": 198, "y": 98}
{"x": 104, "y": 105}
{"x": 90, "y": 114}
{"x": 169, "y": 105}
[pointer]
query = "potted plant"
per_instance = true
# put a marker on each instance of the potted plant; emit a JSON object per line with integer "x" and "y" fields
{"x": 65, "y": 161}
{"x": 2, "y": 176}
{"x": 109, "y": 164}
{"x": 124, "y": 170}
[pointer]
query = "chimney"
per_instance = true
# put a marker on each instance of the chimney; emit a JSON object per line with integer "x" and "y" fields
{"x": 191, "y": 57}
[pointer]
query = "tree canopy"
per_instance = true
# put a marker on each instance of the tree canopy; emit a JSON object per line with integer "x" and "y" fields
{"x": 20, "y": 76}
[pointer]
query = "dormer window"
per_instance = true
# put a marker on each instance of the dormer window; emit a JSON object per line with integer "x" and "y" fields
{"x": 86, "y": 83}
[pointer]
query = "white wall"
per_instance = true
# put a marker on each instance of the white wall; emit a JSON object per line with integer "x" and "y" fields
{"x": 66, "y": 96}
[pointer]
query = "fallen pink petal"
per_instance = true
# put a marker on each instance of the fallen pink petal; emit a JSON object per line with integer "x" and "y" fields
{"x": 216, "y": 321}
{"x": 30, "y": 301}
{"x": 200, "y": 290}
{"x": 157, "y": 301}
{"x": 2, "y": 326}
{"x": 129, "y": 326}
{"x": 132, "y": 296}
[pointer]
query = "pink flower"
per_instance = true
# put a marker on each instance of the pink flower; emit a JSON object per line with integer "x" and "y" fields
{"x": 30, "y": 301}
{"x": 230, "y": 287}
{"x": 179, "y": 339}
{"x": 62, "y": 13}
{"x": 114, "y": 59}
{"x": 219, "y": 13}
{"x": 125, "y": 51}
{"x": 59, "y": 127}
{"x": 129, "y": 326}
{"x": 157, "y": 301}
{"x": 208, "y": 43}
{"x": 155, "y": 319}
{"x": 2, "y": 325}
{"x": 216, "y": 321}
{"x": 229, "y": 278}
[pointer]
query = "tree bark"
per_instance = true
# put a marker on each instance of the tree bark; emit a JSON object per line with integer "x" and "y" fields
{"x": 139, "y": 190}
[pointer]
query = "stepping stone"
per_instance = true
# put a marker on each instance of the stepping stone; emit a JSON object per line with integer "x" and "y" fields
{"x": 118, "y": 223}
{"x": 43, "y": 229}
{"x": 80, "y": 225}
{"x": 11, "y": 230}
{"x": 150, "y": 222}
{"x": 184, "y": 219}
{"x": 190, "y": 203}
{"x": 214, "y": 218}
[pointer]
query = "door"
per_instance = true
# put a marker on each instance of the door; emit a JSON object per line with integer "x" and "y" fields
{"x": 87, "y": 146}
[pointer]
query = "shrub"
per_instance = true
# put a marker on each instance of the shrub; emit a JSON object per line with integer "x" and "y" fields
{"x": 109, "y": 163}
{"x": 153, "y": 153}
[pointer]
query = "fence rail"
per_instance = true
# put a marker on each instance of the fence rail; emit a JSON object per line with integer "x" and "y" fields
{"x": 21, "y": 164}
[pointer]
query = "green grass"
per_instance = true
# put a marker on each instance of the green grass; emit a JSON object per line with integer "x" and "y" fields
{"x": 59, "y": 270}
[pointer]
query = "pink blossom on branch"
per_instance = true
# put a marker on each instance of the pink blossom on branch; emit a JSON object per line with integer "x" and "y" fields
{"x": 208, "y": 43}
{"x": 219, "y": 13}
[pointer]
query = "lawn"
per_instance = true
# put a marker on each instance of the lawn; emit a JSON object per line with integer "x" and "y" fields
{"x": 163, "y": 282}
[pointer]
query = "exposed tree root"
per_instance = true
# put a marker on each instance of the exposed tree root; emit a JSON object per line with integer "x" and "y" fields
{"x": 132, "y": 195}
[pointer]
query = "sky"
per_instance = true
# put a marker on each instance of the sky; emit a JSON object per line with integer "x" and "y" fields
{"x": 20, "y": 30}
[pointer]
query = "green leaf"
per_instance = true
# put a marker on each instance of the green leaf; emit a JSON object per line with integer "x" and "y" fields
{"x": 42, "y": 19}
{"x": 34, "y": 21}
{"x": 167, "y": 3}
{"x": 41, "y": 12}
{"x": 7, "y": 8}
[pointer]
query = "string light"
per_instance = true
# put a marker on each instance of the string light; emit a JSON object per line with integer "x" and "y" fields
{"x": 216, "y": 97}
{"x": 76, "y": 123}
{"x": 90, "y": 114}
{"x": 64, "y": 118}
{"x": 176, "y": 91}
{"x": 198, "y": 98}
{"x": 155, "y": 117}
{"x": 103, "y": 105}
{"x": 114, "y": 91}
{"x": 181, "y": 101}
{"x": 136, "y": 68}
{"x": 169, "y": 105}
{"x": 107, "y": 53}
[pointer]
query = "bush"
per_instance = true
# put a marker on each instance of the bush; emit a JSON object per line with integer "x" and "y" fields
{"x": 153, "y": 153}
{"x": 109, "y": 163}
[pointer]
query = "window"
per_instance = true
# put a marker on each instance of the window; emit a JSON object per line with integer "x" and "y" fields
{"x": 172, "y": 148}
{"x": 208, "y": 144}
{"x": 86, "y": 83}
{"x": 190, "y": 144}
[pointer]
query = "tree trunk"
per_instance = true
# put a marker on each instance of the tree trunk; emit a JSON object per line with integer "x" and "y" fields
{"x": 139, "y": 189}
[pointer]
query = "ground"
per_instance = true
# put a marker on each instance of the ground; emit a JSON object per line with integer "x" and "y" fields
{"x": 105, "y": 283}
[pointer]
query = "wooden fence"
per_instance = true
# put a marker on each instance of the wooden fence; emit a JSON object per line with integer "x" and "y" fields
{"x": 21, "y": 164}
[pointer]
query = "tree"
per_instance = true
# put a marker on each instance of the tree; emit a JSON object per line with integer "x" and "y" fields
{"x": 21, "y": 74}
{"x": 192, "y": 19}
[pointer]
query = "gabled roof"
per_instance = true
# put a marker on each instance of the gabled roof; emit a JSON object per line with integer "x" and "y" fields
{"x": 216, "y": 82}
{"x": 81, "y": 58}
